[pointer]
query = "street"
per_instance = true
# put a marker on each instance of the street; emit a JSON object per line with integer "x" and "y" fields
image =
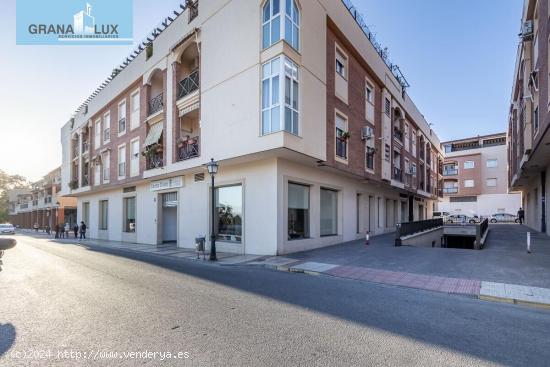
{"x": 63, "y": 304}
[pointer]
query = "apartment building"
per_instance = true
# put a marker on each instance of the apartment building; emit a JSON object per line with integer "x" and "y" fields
{"x": 528, "y": 129}
{"x": 41, "y": 204}
{"x": 316, "y": 138}
{"x": 475, "y": 177}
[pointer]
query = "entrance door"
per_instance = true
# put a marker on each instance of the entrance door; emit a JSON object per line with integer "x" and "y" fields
{"x": 421, "y": 212}
{"x": 404, "y": 212}
{"x": 170, "y": 217}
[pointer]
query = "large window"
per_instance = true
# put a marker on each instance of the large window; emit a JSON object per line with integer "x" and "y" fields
{"x": 273, "y": 28}
{"x": 369, "y": 159}
{"x": 106, "y": 161}
{"x": 298, "y": 211}
{"x": 134, "y": 110}
{"x": 129, "y": 207}
{"x": 122, "y": 117}
{"x": 341, "y": 139}
{"x": 329, "y": 212}
{"x": 273, "y": 93}
{"x": 134, "y": 158}
{"x": 106, "y": 128}
{"x": 122, "y": 162}
{"x": 86, "y": 212}
{"x": 97, "y": 134}
{"x": 103, "y": 215}
{"x": 229, "y": 213}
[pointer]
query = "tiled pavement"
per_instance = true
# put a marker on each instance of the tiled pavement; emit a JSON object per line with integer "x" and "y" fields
{"x": 482, "y": 289}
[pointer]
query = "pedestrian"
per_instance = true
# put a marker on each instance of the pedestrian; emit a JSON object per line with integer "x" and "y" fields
{"x": 82, "y": 230}
{"x": 62, "y": 231}
{"x": 67, "y": 229}
{"x": 36, "y": 226}
{"x": 521, "y": 215}
{"x": 56, "y": 229}
{"x": 75, "y": 230}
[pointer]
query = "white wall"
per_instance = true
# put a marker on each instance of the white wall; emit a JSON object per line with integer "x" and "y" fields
{"x": 486, "y": 205}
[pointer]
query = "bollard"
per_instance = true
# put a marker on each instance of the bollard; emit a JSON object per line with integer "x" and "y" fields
{"x": 528, "y": 242}
{"x": 367, "y": 238}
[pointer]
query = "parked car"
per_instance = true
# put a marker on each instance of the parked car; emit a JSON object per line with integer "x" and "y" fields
{"x": 458, "y": 218}
{"x": 7, "y": 228}
{"x": 475, "y": 219}
{"x": 504, "y": 218}
{"x": 443, "y": 215}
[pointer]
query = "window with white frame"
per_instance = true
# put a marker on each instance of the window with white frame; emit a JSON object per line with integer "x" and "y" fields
{"x": 134, "y": 158}
{"x": 469, "y": 164}
{"x": 106, "y": 161}
{"x": 407, "y": 138}
{"x": 129, "y": 215}
{"x": 492, "y": 163}
{"x": 103, "y": 215}
{"x": 329, "y": 212}
{"x": 97, "y": 134}
{"x": 273, "y": 119}
{"x": 275, "y": 29}
{"x": 341, "y": 140}
{"x": 134, "y": 110}
{"x": 122, "y": 161}
{"x": 369, "y": 101}
{"x": 106, "y": 128}
{"x": 122, "y": 117}
{"x": 413, "y": 143}
{"x": 341, "y": 64}
{"x": 469, "y": 183}
{"x": 491, "y": 182}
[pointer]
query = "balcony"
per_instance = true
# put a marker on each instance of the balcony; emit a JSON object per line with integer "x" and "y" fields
{"x": 421, "y": 154}
{"x": 450, "y": 190}
{"x": 122, "y": 125}
{"x": 188, "y": 148}
{"x": 450, "y": 172}
{"x": 156, "y": 104}
{"x": 397, "y": 174}
{"x": 76, "y": 151}
{"x": 85, "y": 147}
{"x": 188, "y": 85}
{"x": 85, "y": 181}
{"x": 155, "y": 160}
{"x": 398, "y": 134}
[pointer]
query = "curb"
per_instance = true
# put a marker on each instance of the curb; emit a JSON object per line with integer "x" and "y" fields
{"x": 514, "y": 301}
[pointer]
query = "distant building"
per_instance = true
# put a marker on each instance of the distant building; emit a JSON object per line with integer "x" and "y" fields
{"x": 475, "y": 177}
{"x": 41, "y": 204}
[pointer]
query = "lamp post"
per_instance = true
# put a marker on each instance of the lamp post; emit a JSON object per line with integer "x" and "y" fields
{"x": 212, "y": 167}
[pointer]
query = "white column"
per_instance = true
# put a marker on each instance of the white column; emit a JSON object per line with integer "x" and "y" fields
{"x": 169, "y": 111}
{"x": 79, "y": 158}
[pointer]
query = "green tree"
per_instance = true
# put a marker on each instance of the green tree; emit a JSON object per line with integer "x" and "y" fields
{"x": 9, "y": 182}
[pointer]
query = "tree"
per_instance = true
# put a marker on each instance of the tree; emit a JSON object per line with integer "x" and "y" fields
{"x": 9, "y": 182}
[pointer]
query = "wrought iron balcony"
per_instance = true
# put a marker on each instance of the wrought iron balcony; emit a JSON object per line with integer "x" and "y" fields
{"x": 189, "y": 84}
{"x": 189, "y": 149}
{"x": 155, "y": 104}
{"x": 450, "y": 190}
{"x": 398, "y": 134}
{"x": 155, "y": 160}
{"x": 85, "y": 181}
{"x": 398, "y": 174}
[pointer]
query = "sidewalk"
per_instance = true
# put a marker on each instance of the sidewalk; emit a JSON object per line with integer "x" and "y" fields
{"x": 486, "y": 290}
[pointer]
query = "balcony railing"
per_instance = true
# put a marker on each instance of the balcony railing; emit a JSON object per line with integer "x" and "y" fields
{"x": 189, "y": 149}
{"x": 450, "y": 172}
{"x": 189, "y": 84}
{"x": 450, "y": 190}
{"x": 398, "y": 134}
{"x": 398, "y": 174}
{"x": 155, "y": 160}
{"x": 85, "y": 181}
{"x": 342, "y": 148}
{"x": 155, "y": 104}
{"x": 122, "y": 125}
{"x": 421, "y": 154}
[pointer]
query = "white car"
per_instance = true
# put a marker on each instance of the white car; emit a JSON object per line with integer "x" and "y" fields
{"x": 7, "y": 229}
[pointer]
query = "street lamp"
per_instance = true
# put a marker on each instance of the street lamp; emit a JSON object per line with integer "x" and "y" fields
{"x": 212, "y": 167}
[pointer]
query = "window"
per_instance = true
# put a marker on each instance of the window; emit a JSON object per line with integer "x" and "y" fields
{"x": 406, "y": 135}
{"x": 298, "y": 211}
{"x": 492, "y": 163}
{"x": 97, "y": 134}
{"x": 369, "y": 159}
{"x": 469, "y": 164}
{"x": 106, "y": 128}
{"x": 469, "y": 183}
{"x": 369, "y": 102}
{"x": 387, "y": 107}
{"x": 229, "y": 213}
{"x": 122, "y": 117}
{"x": 387, "y": 150}
{"x": 103, "y": 215}
{"x": 413, "y": 143}
{"x": 129, "y": 208}
{"x": 121, "y": 162}
{"x": 369, "y": 93}
{"x": 134, "y": 158}
{"x": 341, "y": 139}
{"x": 134, "y": 110}
{"x": 86, "y": 212}
{"x": 329, "y": 212}
{"x": 105, "y": 159}
{"x": 491, "y": 182}
{"x": 413, "y": 169}
{"x": 273, "y": 28}
{"x": 341, "y": 64}
{"x": 272, "y": 94}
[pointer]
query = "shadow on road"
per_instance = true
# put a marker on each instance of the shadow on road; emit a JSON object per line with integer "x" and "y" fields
{"x": 7, "y": 337}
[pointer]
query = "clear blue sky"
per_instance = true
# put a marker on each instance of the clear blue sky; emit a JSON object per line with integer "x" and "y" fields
{"x": 458, "y": 56}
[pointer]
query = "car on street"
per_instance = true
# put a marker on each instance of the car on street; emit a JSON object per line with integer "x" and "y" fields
{"x": 443, "y": 215}
{"x": 7, "y": 228}
{"x": 504, "y": 218}
{"x": 463, "y": 218}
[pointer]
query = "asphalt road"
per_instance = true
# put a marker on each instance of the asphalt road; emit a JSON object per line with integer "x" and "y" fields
{"x": 63, "y": 304}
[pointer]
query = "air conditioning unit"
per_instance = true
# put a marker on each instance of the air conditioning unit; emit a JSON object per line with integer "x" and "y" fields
{"x": 527, "y": 30}
{"x": 367, "y": 133}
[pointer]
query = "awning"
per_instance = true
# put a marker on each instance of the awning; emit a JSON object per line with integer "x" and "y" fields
{"x": 154, "y": 134}
{"x": 186, "y": 110}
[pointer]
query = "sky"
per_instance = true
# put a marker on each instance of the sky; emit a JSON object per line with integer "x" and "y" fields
{"x": 458, "y": 56}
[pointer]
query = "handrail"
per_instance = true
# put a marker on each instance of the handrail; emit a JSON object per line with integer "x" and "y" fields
{"x": 408, "y": 228}
{"x": 189, "y": 84}
{"x": 155, "y": 104}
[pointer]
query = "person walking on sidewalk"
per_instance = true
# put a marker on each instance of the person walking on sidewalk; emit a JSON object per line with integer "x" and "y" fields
{"x": 67, "y": 230}
{"x": 61, "y": 231}
{"x": 75, "y": 230}
{"x": 521, "y": 215}
{"x": 82, "y": 230}
{"x": 56, "y": 229}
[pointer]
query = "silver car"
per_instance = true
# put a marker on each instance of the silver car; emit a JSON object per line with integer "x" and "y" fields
{"x": 504, "y": 218}
{"x": 7, "y": 229}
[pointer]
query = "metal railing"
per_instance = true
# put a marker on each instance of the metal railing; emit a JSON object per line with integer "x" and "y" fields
{"x": 155, "y": 161}
{"x": 189, "y": 84}
{"x": 156, "y": 104}
{"x": 342, "y": 148}
{"x": 398, "y": 174}
{"x": 450, "y": 190}
{"x": 85, "y": 180}
{"x": 122, "y": 125}
{"x": 398, "y": 134}
{"x": 189, "y": 149}
{"x": 409, "y": 228}
{"x": 85, "y": 146}
{"x": 450, "y": 172}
